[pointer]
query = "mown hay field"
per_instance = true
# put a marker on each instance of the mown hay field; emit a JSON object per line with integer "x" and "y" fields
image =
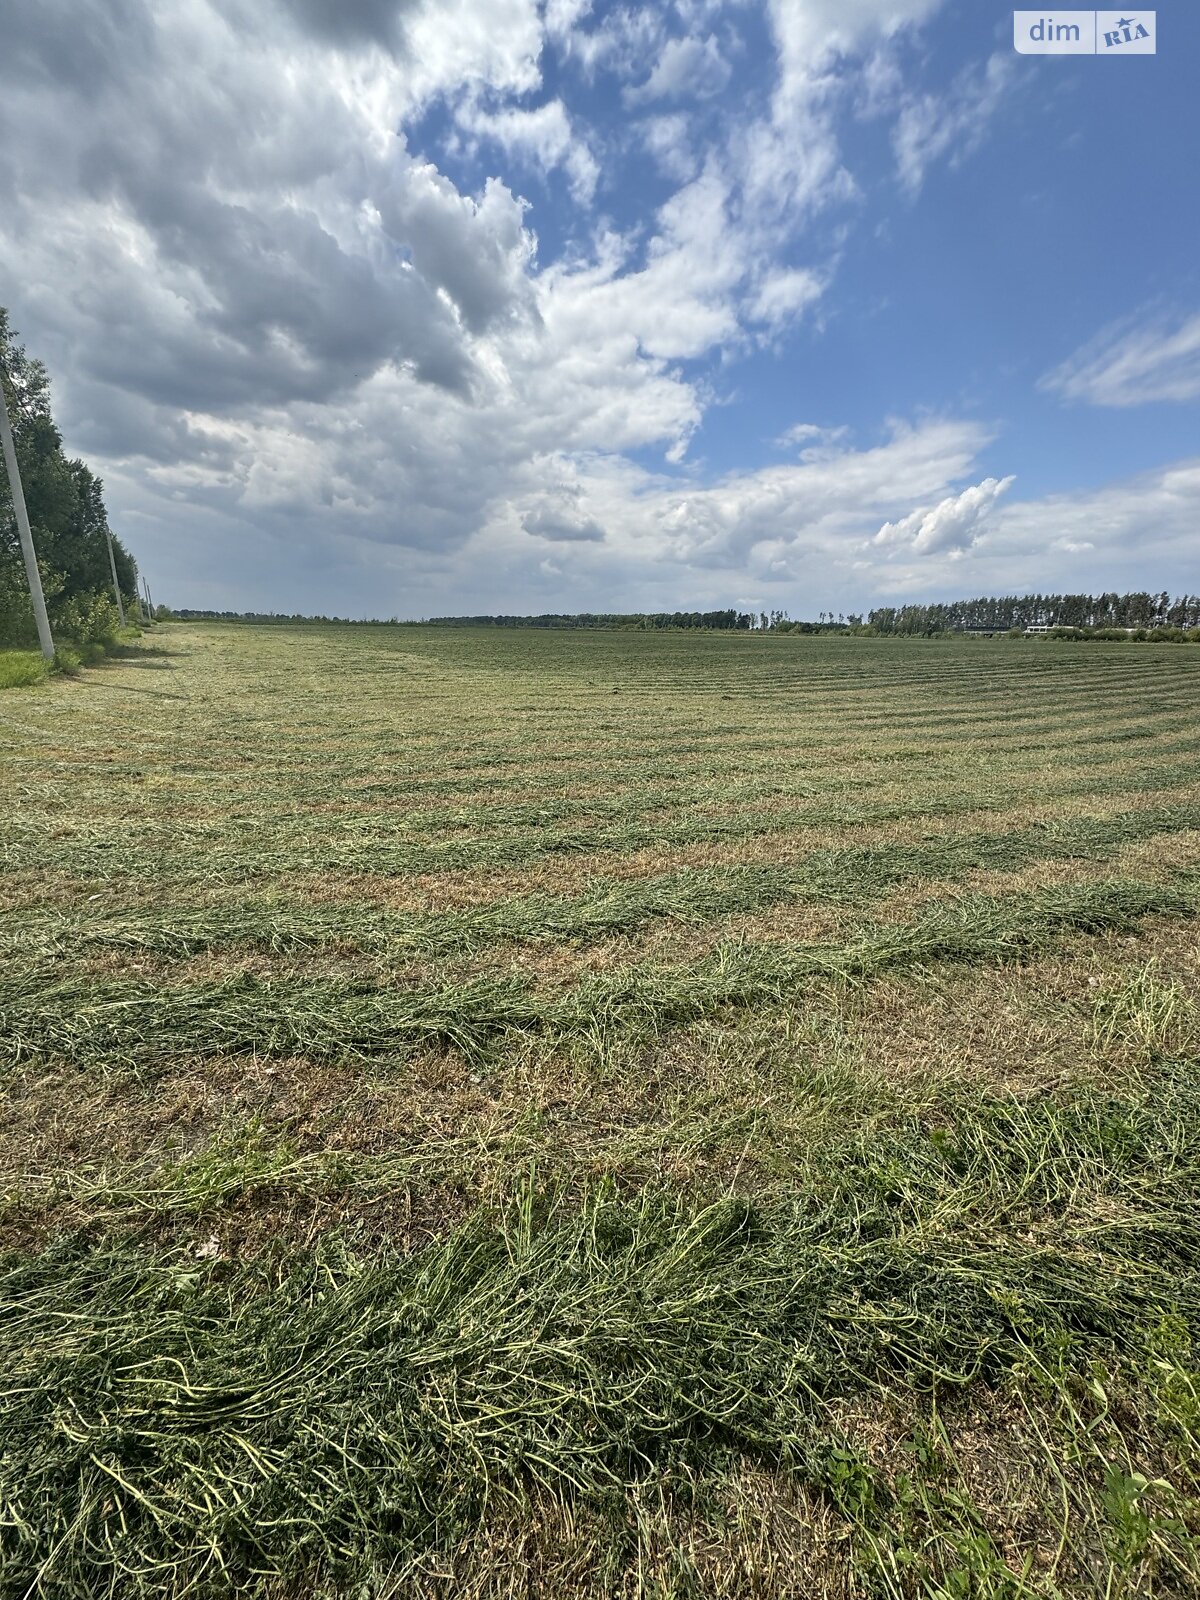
{"x": 496, "y": 1113}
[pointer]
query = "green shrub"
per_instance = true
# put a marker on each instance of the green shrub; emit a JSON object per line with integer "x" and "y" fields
{"x": 18, "y": 629}
{"x": 67, "y": 661}
{"x": 89, "y": 619}
{"x": 79, "y": 621}
{"x": 1167, "y": 636}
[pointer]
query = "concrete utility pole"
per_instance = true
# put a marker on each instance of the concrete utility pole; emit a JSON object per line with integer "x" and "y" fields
{"x": 112, "y": 563}
{"x": 45, "y": 637}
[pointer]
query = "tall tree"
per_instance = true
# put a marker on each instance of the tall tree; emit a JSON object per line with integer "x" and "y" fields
{"x": 65, "y": 501}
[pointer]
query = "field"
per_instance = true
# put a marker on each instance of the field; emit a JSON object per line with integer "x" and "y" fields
{"x": 574, "y": 1114}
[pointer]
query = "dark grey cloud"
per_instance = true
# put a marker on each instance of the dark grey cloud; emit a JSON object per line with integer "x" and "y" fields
{"x": 352, "y": 21}
{"x": 475, "y": 252}
{"x": 111, "y": 421}
{"x": 563, "y": 525}
{"x": 82, "y": 47}
{"x": 243, "y": 267}
{"x": 286, "y": 314}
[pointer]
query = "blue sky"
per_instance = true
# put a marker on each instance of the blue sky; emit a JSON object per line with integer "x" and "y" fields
{"x": 386, "y": 307}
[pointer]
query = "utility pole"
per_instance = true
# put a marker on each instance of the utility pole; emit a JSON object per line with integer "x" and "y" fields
{"x": 112, "y": 563}
{"x": 45, "y": 637}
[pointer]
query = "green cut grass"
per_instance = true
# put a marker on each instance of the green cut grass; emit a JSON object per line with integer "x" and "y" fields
{"x": 698, "y": 897}
{"x": 327, "y": 1420}
{"x": 604, "y": 1117}
{"x": 128, "y": 1021}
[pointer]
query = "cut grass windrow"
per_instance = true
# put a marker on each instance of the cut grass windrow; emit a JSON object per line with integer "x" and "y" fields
{"x": 854, "y": 876}
{"x": 319, "y": 1421}
{"x": 257, "y": 1163}
{"x": 216, "y": 853}
{"x": 128, "y": 1023}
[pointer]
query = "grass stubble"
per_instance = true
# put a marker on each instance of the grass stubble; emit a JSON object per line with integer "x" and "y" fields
{"x": 446, "y": 1235}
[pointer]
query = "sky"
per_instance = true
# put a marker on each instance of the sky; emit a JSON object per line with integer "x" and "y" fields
{"x": 423, "y": 307}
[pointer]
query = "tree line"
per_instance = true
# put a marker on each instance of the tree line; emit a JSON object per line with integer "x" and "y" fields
{"x": 1140, "y": 612}
{"x": 65, "y": 501}
{"x": 641, "y": 620}
{"x": 725, "y": 620}
{"x": 1138, "y": 609}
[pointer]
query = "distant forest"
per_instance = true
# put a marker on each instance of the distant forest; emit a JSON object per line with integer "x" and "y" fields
{"x": 1138, "y": 610}
{"x": 989, "y": 613}
{"x": 723, "y": 620}
{"x": 583, "y": 619}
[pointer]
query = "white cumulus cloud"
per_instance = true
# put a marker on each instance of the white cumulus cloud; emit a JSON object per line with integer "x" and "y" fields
{"x": 543, "y": 135}
{"x": 954, "y": 524}
{"x": 783, "y": 294}
{"x": 691, "y": 66}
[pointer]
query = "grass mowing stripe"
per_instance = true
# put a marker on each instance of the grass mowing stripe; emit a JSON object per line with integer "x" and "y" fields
{"x": 323, "y": 1421}
{"x": 201, "y": 853}
{"x": 129, "y": 1022}
{"x": 257, "y": 1161}
{"x": 851, "y": 876}
{"x": 640, "y": 792}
